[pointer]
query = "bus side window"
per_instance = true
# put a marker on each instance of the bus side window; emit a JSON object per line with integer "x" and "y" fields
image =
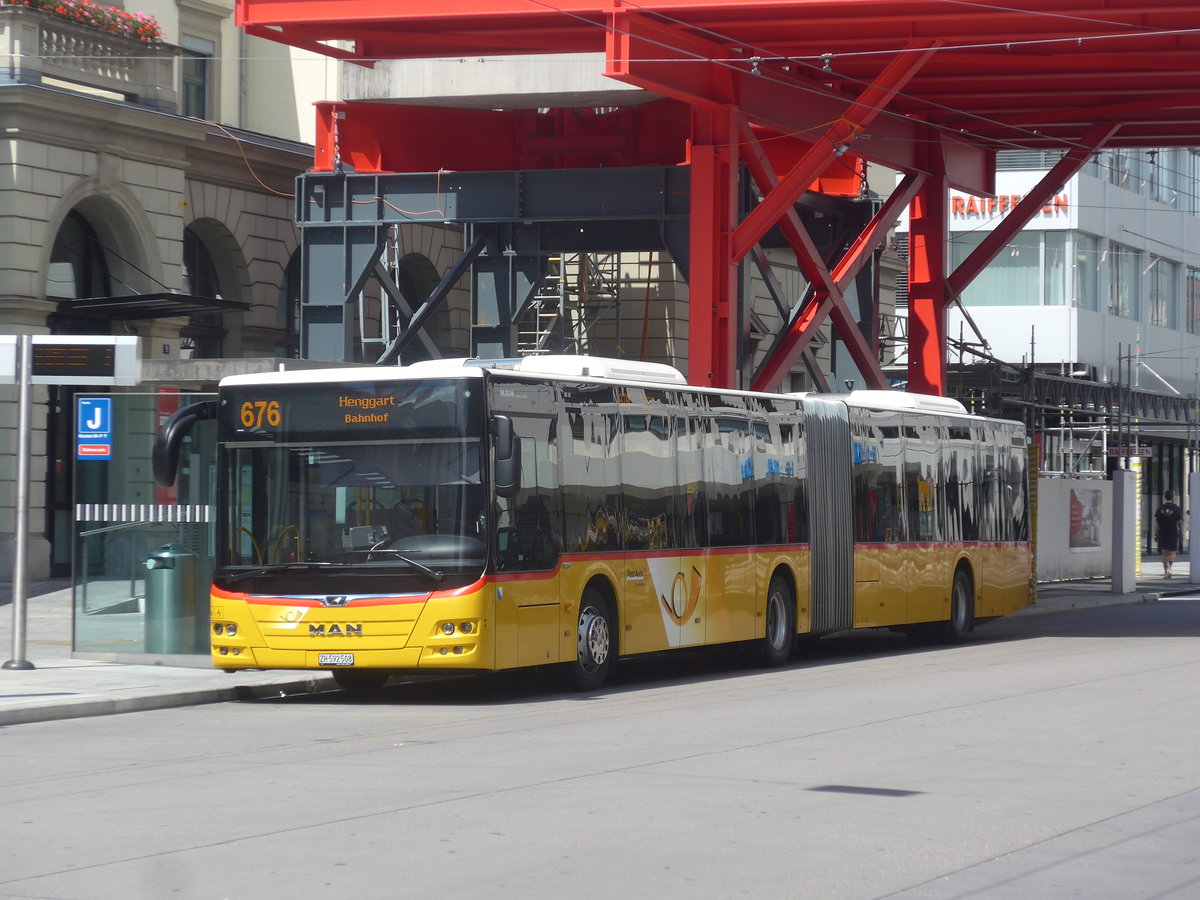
{"x": 728, "y": 476}
{"x": 591, "y": 486}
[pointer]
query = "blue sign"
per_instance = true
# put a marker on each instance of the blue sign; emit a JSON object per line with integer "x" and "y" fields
{"x": 93, "y": 427}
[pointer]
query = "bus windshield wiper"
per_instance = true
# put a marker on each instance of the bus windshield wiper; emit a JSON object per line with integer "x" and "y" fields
{"x": 435, "y": 574}
{"x": 280, "y": 567}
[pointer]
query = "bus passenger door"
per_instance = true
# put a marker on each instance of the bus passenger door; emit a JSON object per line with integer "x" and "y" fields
{"x": 656, "y": 589}
{"x": 529, "y": 533}
{"x": 686, "y": 604}
{"x": 889, "y": 524}
{"x": 929, "y": 584}
{"x": 730, "y": 572}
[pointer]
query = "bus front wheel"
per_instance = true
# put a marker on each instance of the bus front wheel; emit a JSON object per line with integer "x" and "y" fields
{"x": 781, "y": 623}
{"x": 596, "y": 642}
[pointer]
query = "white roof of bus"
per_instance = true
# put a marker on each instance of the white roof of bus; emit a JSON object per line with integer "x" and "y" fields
{"x": 552, "y": 366}
{"x": 904, "y": 400}
{"x": 340, "y": 374}
{"x": 576, "y": 367}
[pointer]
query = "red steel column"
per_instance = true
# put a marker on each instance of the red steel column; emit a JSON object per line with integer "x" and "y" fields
{"x": 928, "y": 242}
{"x": 712, "y": 305}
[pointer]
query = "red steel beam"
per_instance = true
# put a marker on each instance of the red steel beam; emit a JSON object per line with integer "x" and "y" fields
{"x": 928, "y": 237}
{"x": 672, "y": 62}
{"x": 698, "y": 80}
{"x": 694, "y": 77}
{"x": 712, "y": 279}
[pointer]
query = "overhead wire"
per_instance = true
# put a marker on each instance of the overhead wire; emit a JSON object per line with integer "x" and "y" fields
{"x": 764, "y": 52}
{"x": 1051, "y": 14}
{"x": 739, "y": 64}
{"x": 823, "y": 70}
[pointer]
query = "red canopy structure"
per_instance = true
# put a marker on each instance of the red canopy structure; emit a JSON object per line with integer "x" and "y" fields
{"x": 792, "y": 91}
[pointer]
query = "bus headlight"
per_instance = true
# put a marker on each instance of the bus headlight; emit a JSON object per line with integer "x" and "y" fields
{"x": 447, "y": 628}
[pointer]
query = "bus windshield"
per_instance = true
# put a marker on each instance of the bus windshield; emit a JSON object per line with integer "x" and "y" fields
{"x": 370, "y": 487}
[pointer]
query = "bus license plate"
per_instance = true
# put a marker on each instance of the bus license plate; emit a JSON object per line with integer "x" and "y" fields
{"x": 335, "y": 659}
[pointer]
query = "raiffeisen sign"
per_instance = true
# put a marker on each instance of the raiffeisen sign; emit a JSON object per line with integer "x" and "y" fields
{"x": 967, "y": 206}
{"x": 968, "y": 212}
{"x": 971, "y": 213}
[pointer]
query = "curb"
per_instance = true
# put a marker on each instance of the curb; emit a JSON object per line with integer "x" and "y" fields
{"x": 1066, "y": 605}
{"x": 310, "y": 686}
{"x": 112, "y": 706}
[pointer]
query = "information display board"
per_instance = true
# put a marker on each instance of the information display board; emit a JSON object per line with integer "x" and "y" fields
{"x": 92, "y": 360}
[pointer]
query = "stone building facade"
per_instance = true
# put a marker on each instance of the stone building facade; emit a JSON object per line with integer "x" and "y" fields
{"x": 106, "y": 191}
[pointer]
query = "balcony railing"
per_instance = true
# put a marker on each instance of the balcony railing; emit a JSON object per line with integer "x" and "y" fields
{"x": 37, "y": 47}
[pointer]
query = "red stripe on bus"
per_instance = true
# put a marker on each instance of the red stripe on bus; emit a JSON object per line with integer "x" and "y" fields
{"x": 910, "y": 545}
{"x": 360, "y": 601}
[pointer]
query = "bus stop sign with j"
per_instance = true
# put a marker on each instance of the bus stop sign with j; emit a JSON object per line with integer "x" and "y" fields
{"x": 93, "y": 428}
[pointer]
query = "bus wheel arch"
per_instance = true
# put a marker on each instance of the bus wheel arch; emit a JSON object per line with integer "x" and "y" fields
{"x": 779, "y": 637}
{"x": 596, "y": 636}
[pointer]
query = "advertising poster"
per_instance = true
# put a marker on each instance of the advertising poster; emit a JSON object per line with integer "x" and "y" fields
{"x": 1086, "y": 518}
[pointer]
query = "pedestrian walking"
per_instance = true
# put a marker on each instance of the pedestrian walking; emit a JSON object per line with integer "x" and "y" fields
{"x": 1167, "y": 527}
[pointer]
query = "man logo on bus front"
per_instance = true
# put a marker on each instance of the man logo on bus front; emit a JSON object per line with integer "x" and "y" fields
{"x": 335, "y": 600}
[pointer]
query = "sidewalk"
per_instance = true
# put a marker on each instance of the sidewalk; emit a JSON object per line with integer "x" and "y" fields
{"x": 63, "y": 687}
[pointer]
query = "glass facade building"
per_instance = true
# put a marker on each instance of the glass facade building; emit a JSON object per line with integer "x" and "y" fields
{"x": 1108, "y": 268}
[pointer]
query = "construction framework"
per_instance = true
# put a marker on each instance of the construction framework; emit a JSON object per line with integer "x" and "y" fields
{"x": 788, "y": 97}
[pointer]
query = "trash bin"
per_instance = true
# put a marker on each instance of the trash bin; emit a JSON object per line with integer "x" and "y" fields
{"x": 171, "y": 600}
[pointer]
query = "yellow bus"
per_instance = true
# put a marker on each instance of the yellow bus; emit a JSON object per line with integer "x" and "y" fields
{"x": 569, "y": 511}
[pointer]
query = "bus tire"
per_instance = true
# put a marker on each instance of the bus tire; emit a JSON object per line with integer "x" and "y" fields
{"x": 780, "y": 635}
{"x": 962, "y": 617}
{"x": 596, "y": 641}
{"x": 360, "y": 681}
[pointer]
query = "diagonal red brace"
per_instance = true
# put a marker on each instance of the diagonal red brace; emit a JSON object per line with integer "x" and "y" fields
{"x": 1021, "y": 214}
{"x": 870, "y": 103}
{"x": 801, "y": 331}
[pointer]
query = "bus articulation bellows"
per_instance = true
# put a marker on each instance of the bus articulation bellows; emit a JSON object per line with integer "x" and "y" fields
{"x": 489, "y": 515}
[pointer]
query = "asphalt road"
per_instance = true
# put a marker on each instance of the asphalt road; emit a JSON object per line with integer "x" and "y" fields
{"x": 1054, "y": 756}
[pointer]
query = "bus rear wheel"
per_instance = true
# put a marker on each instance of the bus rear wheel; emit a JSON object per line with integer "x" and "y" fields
{"x": 777, "y": 643}
{"x": 958, "y": 628}
{"x": 595, "y": 642}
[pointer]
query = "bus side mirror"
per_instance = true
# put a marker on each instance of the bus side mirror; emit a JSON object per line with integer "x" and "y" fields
{"x": 164, "y": 458}
{"x": 507, "y": 448}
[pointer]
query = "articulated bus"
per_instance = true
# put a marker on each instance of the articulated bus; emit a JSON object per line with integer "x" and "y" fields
{"x": 488, "y": 515}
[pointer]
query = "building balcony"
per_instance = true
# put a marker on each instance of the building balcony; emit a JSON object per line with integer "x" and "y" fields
{"x": 40, "y": 48}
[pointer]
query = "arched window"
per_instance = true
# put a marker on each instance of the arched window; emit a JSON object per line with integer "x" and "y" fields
{"x": 78, "y": 265}
{"x": 204, "y": 335}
